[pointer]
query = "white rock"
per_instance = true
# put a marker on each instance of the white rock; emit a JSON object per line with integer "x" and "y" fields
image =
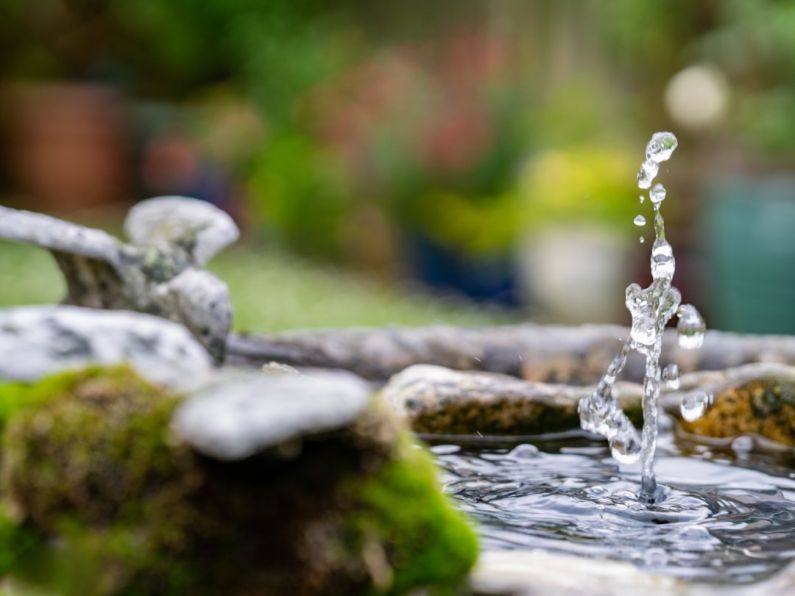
{"x": 202, "y": 227}
{"x": 37, "y": 341}
{"x": 242, "y": 413}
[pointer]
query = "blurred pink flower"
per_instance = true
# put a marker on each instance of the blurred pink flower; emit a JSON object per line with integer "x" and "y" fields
{"x": 428, "y": 103}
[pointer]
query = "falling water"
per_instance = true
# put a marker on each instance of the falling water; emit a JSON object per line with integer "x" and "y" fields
{"x": 651, "y": 309}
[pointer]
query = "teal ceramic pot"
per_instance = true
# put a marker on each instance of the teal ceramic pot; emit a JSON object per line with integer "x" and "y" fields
{"x": 747, "y": 231}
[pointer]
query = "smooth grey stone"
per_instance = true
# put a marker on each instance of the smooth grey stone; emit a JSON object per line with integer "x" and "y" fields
{"x": 241, "y": 413}
{"x": 537, "y": 573}
{"x": 37, "y": 341}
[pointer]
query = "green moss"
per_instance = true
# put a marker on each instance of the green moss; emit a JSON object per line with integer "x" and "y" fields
{"x": 18, "y": 542}
{"x": 87, "y": 441}
{"x": 86, "y": 459}
{"x": 59, "y": 439}
{"x": 428, "y": 543}
{"x": 115, "y": 559}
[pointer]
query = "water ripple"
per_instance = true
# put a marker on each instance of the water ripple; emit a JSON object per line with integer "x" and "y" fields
{"x": 719, "y": 522}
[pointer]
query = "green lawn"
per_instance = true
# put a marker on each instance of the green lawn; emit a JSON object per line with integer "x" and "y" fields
{"x": 271, "y": 291}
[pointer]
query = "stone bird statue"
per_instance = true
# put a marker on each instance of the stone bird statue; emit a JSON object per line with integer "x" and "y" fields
{"x": 157, "y": 272}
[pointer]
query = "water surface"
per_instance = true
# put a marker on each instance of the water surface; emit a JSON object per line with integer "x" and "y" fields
{"x": 728, "y": 515}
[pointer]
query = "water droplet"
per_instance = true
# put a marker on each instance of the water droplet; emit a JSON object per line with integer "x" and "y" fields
{"x": 647, "y": 173}
{"x": 657, "y": 194}
{"x": 655, "y": 557}
{"x": 694, "y": 405}
{"x": 690, "y": 328}
{"x": 639, "y": 220}
{"x": 524, "y": 451}
{"x": 695, "y": 534}
{"x": 661, "y": 146}
{"x": 670, "y": 375}
{"x": 642, "y": 198}
{"x": 663, "y": 264}
{"x": 642, "y": 240}
{"x": 743, "y": 444}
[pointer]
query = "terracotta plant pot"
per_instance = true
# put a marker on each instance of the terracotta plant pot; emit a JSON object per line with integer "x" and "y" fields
{"x": 66, "y": 145}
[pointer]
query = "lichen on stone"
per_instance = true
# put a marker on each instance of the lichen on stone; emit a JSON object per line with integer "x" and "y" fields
{"x": 764, "y": 406}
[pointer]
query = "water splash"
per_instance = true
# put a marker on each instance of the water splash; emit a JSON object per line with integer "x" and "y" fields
{"x": 651, "y": 309}
{"x": 726, "y": 519}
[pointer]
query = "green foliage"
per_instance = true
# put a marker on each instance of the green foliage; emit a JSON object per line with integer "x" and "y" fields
{"x": 754, "y": 43}
{"x": 475, "y": 225}
{"x": 303, "y": 195}
{"x": 271, "y": 49}
{"x": 584, "y": 184}
{"x": 271, "y": 291}
{"x": 751, "y": 41}
{"x": 430, "y": 544}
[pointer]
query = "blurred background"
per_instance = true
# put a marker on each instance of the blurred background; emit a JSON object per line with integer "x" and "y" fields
{"x": 460, "y": 161}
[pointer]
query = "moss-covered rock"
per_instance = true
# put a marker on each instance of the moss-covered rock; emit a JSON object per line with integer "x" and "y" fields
{"x": 401, "y": 512}
{"x": 118, "y": 505}
{"x": 764, "y": 406}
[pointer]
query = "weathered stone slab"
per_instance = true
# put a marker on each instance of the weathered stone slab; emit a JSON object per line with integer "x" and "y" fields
{"x": 549, "y": 354}
{"x": 536, "y": 573}
{"x": 242, "y": 413}
{"x": 37, "y": 341}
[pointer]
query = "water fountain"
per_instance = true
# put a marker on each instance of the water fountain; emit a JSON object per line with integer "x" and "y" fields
{"x": 651, "y": 309}
{"x": 722, "y": 515}
{"x": 718, "y": 515}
